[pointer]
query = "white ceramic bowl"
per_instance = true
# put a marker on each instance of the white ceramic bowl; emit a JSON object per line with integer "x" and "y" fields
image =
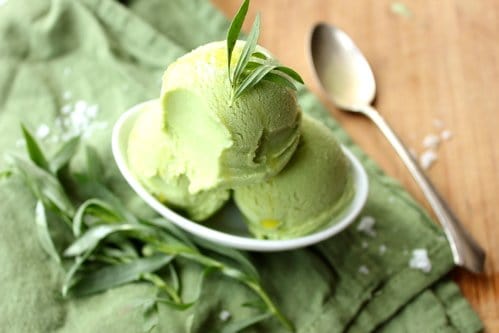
{"x": 227, "y": 227}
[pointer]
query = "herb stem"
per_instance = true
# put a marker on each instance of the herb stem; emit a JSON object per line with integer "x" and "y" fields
{"x": 162, "y": 285}
{"x": 270, "y": 305}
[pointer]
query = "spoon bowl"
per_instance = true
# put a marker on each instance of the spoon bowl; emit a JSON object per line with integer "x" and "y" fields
{"x": 227, "y": 227}
{"x": 341, "y": 68}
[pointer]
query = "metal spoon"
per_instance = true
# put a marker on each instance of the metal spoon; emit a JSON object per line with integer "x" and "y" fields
{"x": 346, "y": 76}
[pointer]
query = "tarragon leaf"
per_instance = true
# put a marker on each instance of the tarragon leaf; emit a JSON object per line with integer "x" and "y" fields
{"x": 260, "y": 55}
{"x": 62, "y": 157}
{"x": 93, "y": 236}
{"x": 45, "y": 186}
{"x": 249, "y": 48}
{"x": 70, "y": 279}
{"x": 173, "y": 230}
{"x": 238, "y": 326}
{"x": 197, "y": 292}
{"x": 174, "y": 278}
{"x": 34, "y": 151}
{"x": 163, "y": 286}
{"x": 253, "y": 79}
{"x": 232, "y": 254}
{"x": 177, "y": 306}
{"x": 95, "y": 169}
{"x": 112, "y": 276}
{"x": 95, "y": 189}
{"x": 279, "y": 79}
{"x": 233, "y": 32}
{"x": 82, "y": 209}
{"x": 43, "y": 232}
{"x": 290, "y": 72}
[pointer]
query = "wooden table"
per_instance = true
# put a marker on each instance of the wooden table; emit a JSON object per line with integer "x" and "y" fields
{"x": 436, "y": 69}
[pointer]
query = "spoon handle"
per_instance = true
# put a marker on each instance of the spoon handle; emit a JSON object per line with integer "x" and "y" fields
{"x": 465, "y": 250}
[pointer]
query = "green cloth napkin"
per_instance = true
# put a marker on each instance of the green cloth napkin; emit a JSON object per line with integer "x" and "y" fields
{"x": 60, "y": 59}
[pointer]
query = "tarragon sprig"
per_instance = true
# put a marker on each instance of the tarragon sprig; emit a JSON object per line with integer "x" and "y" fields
{"x": 111, "y": 246}
{"x": 252, "y": 66}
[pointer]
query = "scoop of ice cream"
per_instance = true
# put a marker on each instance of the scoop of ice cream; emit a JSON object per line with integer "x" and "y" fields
{"x": 150, "y": 159}
{"x": 219, "y": 144}
{"x": 309, "y": 193}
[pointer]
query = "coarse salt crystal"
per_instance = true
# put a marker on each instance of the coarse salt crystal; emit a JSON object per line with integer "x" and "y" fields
{"x": 77, "y": 119}
{"x": 20, "y": 142}
{"x": 431, "y": 141}
{"x": 446, "y": 135}
{"x": 363, "y": 269}
{"x": 382, "y": 249}
{"x": 92, "y": 111}
{"x": 364, "y": 245}
{"x": 366, "y": 226}
{"x": 420, "y": 260}
{"x": 224, "y": 315}
{"x": 80, "y": 106}
{"x": 66, "y": 71}
{"x": 427, "y": 158}
{"x": 3, "y": 2}
{"x": 42, "y": 131}
{"x": 66, "y": 109}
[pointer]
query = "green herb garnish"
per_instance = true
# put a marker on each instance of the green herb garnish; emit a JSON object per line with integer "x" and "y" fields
{"x": 110, "y": 246}
{"x": 253, "y": 67}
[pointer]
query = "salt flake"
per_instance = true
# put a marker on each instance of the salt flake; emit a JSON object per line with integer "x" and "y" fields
{"x": 427, "y": 158}
{"x": 446, "y": 135}
{"x": 42, "y": 131}
{"x": 431, "y": 141}
{"x": 66, "y": 109}
{"x": 78, "y": 119}
{"x": 366, "y": 226}
{"x": 224, "y": 315}
{"x": 92, "y": 111}
{"x": 363, "y": 270}
{"x": 420, "y": 260}
{"x": 382, "y": 249}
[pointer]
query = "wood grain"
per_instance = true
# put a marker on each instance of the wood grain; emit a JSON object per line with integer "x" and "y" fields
{"x": 439, "y": 64}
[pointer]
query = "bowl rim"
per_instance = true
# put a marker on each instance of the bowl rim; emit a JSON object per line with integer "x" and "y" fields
{"x": 119, "y": 139}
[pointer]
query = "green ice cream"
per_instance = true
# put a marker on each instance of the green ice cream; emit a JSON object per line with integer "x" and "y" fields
{"x": 150, "y": 159}
{"x": 308, "y": 194}
{"x": 218, "y": 144}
